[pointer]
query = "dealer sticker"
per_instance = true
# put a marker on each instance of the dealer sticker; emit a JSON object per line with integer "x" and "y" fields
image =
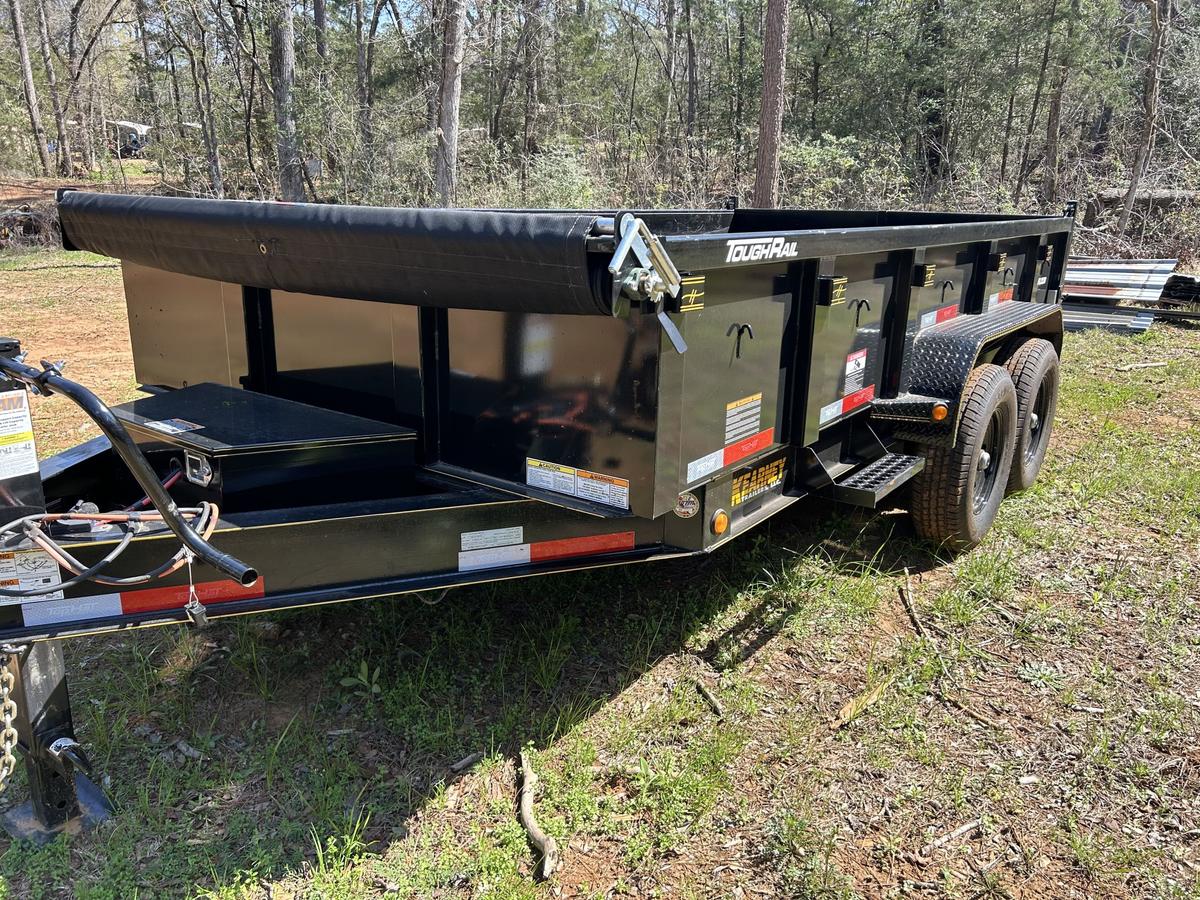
{"x": 29, "y": 570}
{"x": 18, "y": 456}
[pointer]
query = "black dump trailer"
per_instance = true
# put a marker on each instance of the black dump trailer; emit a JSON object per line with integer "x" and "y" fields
{"x": 351, "y": 402}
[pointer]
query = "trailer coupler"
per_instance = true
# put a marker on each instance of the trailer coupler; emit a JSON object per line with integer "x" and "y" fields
{"x": 35, "y": 718}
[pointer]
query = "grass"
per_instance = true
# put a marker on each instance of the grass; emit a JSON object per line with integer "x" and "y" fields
{"x": 1053, "y": 698}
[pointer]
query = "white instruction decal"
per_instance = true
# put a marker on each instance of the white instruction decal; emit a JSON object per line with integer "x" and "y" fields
{"x": 494, "y": 537}
{"x": 594, "y": 486}
{"x": 29, "y": 570}
{"x": 17, "y": 453}
{"x": 173, "y": 426}
{"x": 856, "y": 371}
{"x": 743, "y": 418}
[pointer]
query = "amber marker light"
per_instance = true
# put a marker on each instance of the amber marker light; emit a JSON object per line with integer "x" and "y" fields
{"x": 939, "y": 412}
{"x": 720, "y": 522}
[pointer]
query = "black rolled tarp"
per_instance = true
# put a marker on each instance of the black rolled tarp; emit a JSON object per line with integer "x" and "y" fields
{"x": 533, "y": 262}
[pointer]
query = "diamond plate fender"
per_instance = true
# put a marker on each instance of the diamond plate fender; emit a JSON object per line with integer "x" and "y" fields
{"x": 943, "y": 357}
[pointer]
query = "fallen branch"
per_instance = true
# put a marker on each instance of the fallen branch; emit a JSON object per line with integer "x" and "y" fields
{"x": 962, "y": 708}
{"x": 958, "y": 832}
{"x": 466, "y": 762}
{"x": 541, "y": 841}
{"x": 909, "y": 607}
{"x": 1129, "y": 367}
{"x": 709, "y": 697}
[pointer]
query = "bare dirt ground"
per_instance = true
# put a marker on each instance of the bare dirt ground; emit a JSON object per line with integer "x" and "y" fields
{"x": 1031, "y": 729}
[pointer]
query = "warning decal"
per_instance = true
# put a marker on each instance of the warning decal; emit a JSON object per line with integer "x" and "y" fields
{"x": 754, "y": 482}
{"x": 17, "y": 453}
{"x": 856, "y": 371}
{"x": 743, "y": 418}
{"x": 29, "y": 570}
{"x": 594, "y": 486}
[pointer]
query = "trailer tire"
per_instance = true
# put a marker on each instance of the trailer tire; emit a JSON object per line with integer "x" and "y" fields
{"x": 1034, "y": 372}
{"x": 956, "y": 498}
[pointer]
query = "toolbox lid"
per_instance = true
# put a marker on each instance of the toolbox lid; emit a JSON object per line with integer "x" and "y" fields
{"x": 221, "y": 421}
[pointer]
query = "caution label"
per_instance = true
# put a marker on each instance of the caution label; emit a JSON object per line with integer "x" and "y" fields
{"x": 594, "y": 486}
{"x": 30, "y": 570}
{"x": 18, "y": 456}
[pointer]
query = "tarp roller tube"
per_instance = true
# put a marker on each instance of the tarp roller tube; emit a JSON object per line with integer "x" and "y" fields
{"x": 488, "y": 260}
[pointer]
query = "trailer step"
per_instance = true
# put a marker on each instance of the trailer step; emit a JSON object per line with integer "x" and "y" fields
{"x": 873, "y": 482}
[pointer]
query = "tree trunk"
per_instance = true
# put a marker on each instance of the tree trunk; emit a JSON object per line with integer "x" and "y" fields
{"x": 360, "y": 70}
{"x": 1049, "y": 191}
{"x": 31, "y": 99}
{"x": 770, "y": 126}
{"x": 65, "y": 164}
{"x": 1023, "y": 170}
{"x": 1160, "y": 29}
{"x": 449, "y": 96}
{"x": 283, "y": 76}
{"x": 139, "y": 8}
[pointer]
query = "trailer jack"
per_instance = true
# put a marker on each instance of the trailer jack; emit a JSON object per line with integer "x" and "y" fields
{"x": 62, "y": 796}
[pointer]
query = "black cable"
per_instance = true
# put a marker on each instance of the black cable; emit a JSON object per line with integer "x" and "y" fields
{"x": 91, "y": 573}
{"x": 157, "y": 572}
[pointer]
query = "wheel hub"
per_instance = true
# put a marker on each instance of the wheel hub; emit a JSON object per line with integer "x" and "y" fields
{"x": 985, "y": 461}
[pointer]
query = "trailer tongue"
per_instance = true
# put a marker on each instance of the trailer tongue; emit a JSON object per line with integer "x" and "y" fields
{"x": 349, "y": 403}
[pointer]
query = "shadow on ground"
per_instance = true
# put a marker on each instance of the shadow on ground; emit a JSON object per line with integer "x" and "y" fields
{"x": 236, "y": 753}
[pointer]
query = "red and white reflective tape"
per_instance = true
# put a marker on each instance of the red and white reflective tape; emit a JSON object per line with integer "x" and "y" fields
{"x": 847, "y": 404}
{"x": 543, "y": 551}
{"x": 125, "y": 603}
{"x": 939, "y": 315}
{"x": 719, "y": 459}
{"x": 1001, "y": 296}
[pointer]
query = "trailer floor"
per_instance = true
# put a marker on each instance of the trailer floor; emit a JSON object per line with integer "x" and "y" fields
{"x": 1039, "y": 741}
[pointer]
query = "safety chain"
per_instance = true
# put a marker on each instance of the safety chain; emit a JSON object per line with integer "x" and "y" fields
{"x": 8, "y": 715}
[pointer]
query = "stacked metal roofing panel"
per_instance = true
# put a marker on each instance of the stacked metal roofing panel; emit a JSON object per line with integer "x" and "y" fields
{"x": 1082, "y": 316}
{"x": 1111, "y": 280}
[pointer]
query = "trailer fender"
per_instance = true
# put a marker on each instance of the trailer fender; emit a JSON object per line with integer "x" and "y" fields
{"x": 943, "y": 357}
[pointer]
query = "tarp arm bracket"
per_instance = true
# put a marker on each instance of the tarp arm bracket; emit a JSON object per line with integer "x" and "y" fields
{"x": 643, "y": 273}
